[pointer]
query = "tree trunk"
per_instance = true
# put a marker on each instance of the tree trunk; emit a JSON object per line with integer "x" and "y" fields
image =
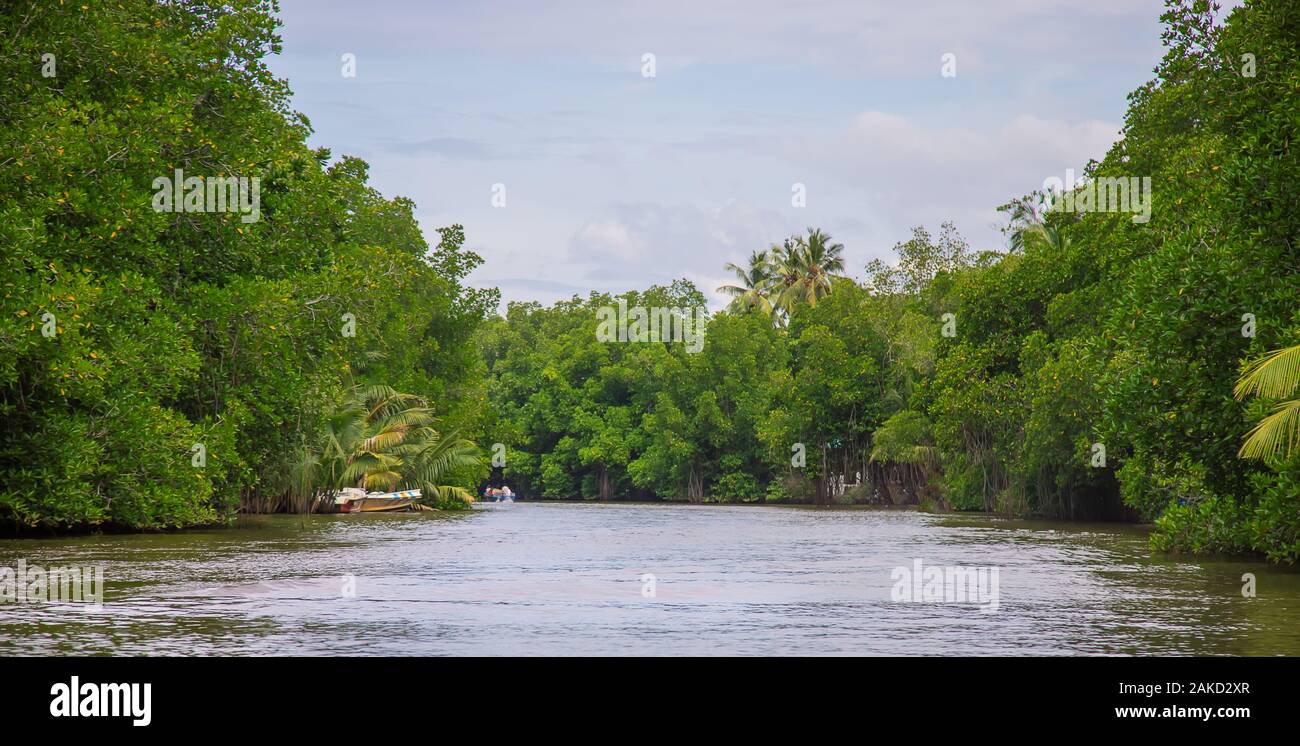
{"x": 695, "y": 486}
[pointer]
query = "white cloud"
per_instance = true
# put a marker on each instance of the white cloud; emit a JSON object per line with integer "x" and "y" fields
{"x": 609, "y": 239}
{"x": 880, "y": 37}
{"x": 618, "y": 182}
{"x": 645, "y": 243}
{"x": 906, "y": 173}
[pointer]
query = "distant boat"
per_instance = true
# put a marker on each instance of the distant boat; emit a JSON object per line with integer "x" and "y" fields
{"x": 501, "y": 495}
{"x": 354, "y": 500}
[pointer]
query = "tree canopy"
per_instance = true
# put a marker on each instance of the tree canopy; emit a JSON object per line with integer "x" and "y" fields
{"x": 1085, "y": 370}
{"x": 162, "y": 368}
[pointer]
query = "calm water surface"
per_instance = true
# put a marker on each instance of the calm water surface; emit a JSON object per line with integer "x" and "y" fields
{"x": 566, "y": 579}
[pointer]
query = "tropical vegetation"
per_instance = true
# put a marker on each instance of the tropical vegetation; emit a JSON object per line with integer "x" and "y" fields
{"x": 800, "y": 271}
{"x": 1087, "y": 370}
{"x": 167, "y": 369}
{"x": 383, "y": 440}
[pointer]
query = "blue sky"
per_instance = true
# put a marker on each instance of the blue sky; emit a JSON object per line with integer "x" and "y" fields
{"x": 616, "y": 181}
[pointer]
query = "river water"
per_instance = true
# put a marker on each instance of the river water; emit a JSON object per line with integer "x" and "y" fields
{"x": 575, "y": 579}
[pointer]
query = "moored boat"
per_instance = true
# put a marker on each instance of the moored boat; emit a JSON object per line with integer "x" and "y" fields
{"x": 353, "y": 500}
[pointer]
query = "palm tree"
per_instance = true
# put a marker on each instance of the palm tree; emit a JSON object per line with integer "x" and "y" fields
{"x": 755, "y": 281}
{"x": 807, "y": 267}
{"x": 1273, "y": 376}
{"x": 430, "y": 456}
{"x": 1026, "y": 224}
{"x": 382, "y": 439}
{"x": 1040, "y": 232}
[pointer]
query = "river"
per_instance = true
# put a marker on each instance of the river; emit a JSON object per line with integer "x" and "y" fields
{"x": 575, "y": 579}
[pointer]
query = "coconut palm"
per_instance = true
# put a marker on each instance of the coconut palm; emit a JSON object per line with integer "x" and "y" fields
{"x": 1038, "y": 232}
{"x": 755, "y": 282}
{"x": 383, "y": 439}
{"x": 1026, "y": 224}
{"x": 806, "y": 269}
{"x": 1273, "y": 376}
{"x": 430, "y": 456}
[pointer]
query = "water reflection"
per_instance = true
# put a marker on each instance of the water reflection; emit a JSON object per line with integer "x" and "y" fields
{"x": 567, "y": 579}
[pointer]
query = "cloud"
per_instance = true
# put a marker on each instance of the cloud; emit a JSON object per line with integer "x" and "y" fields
{"x": 875, "y": 38}
{"x": 619, "y": 182}
{"x": 869, "y": 181}
{"x": 549, "y": 286}
{"x": 646, "y": 243}
{"x": 903, "y": 172}
{"x": 879, "y": 139}
{"x": 447, "y": 147}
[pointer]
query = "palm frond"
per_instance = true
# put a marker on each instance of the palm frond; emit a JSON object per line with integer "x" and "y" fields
{"x": 1272, "y": 376}
{"x": 1275, "y": 435}
{"x": 385, "y": 440}
{"x": 446, "y": 493}
{"x": 383, "y": 480}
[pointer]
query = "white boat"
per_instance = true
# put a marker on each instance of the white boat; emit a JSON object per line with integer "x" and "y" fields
{"x": 356, "y": 500}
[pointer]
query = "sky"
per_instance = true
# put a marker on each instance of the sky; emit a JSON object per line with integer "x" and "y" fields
{"x": 613, "y": 179}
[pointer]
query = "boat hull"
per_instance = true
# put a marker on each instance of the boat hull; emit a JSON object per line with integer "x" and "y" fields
{"x": 354, "y": 500}
{"x": 376, "y": 505}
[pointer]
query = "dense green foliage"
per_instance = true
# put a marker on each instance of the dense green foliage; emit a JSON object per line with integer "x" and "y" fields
{"x": 383, "y": 440}
{"x": 770, "y": 409}
{"x": 171, "y": 330}
{"x": 1273, "y": 376}
{"x": 167, "y": 368}
{"x": 1085, "y": 372}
